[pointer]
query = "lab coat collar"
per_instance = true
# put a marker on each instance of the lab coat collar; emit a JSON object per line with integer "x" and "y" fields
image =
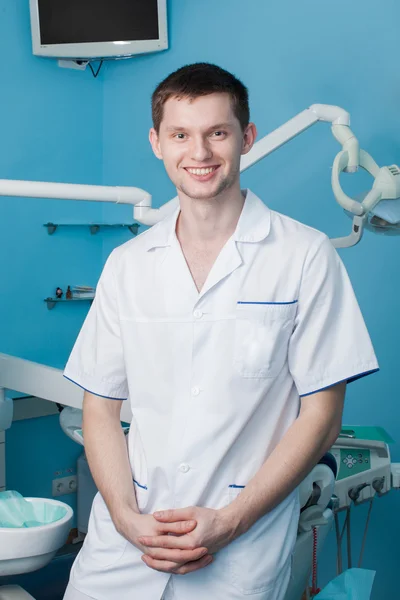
{"x": 255, "y": 220}
{"x": 161, "y": 235}
{"x": 253, "y": 226}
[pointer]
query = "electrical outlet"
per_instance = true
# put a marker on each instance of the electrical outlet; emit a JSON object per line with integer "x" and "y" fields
{"x": 64, "y": 485}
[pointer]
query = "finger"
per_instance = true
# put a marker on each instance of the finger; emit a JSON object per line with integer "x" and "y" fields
{"x": 195, "y": 566}
{"x": 178, "y": 556}
{"x": 174, "y": 514}
{"x": 178, "y": 528}
{"x": 160, "y": 565}
{"x": 172, "y": 567}
{"x": 183, "y": 542}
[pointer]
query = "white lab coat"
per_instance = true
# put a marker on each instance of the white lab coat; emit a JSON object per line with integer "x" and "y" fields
{"x": 214, "y": 380}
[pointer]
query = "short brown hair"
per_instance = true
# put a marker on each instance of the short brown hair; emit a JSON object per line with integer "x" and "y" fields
{"x": 200, "y": 79}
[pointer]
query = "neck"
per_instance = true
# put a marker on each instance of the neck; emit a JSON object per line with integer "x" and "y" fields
{"x": 201, "y": 222}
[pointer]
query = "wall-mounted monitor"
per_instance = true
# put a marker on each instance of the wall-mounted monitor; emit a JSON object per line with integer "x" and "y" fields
{"x": 90, "y": 29}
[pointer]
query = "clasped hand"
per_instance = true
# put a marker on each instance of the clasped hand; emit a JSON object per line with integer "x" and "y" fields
{"x": 182, "y": 540}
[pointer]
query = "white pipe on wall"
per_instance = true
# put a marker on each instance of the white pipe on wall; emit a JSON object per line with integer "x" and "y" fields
{"x": 74, "y": 191}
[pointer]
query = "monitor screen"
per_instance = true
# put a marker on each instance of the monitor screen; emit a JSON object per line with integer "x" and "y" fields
{"x": 91, "y": 21}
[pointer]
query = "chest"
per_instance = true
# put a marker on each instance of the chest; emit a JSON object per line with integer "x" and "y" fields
{"x": 164, "y": 287}
{"x": 200, "y": 262}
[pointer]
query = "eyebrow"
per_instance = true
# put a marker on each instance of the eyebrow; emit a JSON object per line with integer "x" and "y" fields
{"x": 212, "y": 128}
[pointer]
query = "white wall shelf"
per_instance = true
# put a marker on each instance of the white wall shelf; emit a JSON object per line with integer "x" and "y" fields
{"x": 51, "y": 302}
{"x": 94, "y": 227}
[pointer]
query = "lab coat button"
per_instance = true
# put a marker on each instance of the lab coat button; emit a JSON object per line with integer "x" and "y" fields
{"x": 198, "y": 314}
{"x": 184, "y": 468}
{"x": 195, "y": 391}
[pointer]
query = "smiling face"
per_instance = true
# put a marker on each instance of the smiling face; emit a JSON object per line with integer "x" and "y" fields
{"x": 200, "y": 141}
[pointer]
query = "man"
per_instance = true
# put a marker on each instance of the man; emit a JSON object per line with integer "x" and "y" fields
{"x": 233, "y": 330}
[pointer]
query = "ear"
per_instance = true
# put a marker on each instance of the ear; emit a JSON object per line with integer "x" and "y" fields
{"x": 249, "y": 137}
{"x": 155, "y": 143}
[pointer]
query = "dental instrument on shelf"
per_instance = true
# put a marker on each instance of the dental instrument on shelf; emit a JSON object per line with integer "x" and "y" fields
{"x": 378, "y": 209}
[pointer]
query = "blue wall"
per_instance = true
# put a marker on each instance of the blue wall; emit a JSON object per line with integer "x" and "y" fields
{"x": 291, "y": 55}
{"x": 51, "y": 130}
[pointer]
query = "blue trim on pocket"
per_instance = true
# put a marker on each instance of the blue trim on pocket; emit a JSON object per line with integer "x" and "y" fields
{"x": 90, "y": 391}
{"x": 144, "y": 487}
{"x": 348, "y": 379}
{"x": 292, "y": 302}
{"x": 236, "y": 486}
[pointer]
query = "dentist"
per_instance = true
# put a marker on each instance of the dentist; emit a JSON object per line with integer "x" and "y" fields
{"x": 232, "y": 330}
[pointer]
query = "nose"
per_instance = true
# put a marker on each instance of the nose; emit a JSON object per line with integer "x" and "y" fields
{"x": 200, "y": 149}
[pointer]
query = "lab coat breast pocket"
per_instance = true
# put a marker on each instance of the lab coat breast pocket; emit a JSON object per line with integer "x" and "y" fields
{"x": 262, "y": 338}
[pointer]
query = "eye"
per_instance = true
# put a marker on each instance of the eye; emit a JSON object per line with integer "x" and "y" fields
{"x": 219, "y": 134}
{"x": 180, "y": 136}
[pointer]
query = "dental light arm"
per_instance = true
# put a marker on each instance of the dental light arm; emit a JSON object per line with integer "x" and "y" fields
{"x": 339, "y": 118}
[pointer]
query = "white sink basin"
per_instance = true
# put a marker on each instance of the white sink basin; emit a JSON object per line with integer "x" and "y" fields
{"x": 26, "y": 549}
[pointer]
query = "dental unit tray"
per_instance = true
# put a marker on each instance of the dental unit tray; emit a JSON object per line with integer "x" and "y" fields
{"x": 365, "y": 432}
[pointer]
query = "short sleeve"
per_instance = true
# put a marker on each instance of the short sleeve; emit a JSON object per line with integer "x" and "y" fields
{"x": 330, "y": 342}
{"x": 97, "y": 362}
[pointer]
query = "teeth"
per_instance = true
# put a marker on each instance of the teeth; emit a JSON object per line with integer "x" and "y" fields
{"x": 201, "y": 171}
